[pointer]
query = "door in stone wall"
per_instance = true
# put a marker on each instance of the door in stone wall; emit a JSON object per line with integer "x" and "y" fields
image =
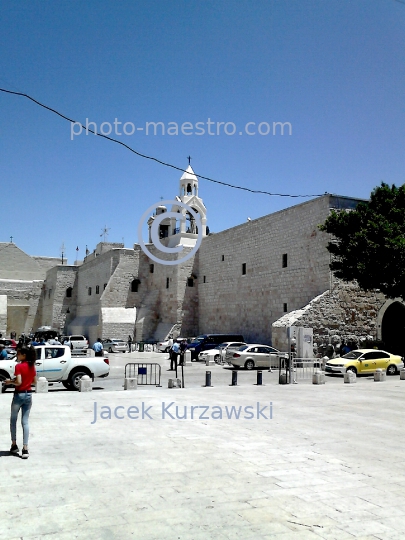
{"x": 17, "y": 318}
{"x": 393, "y": 329}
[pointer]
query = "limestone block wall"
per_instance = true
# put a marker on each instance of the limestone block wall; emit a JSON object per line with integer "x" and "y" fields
{"x": 345, "y": 311}
{"x": 46, "y": 263}
{"x": 3, "y": 314}
{"x": 231, "y": 301}
{"x": 56, "y": 308}
{"x": 22, "y": 303}
{"x": 165, "y": 294}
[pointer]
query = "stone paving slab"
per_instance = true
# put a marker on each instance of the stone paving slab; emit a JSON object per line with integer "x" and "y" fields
{"x": 327, "y": 465}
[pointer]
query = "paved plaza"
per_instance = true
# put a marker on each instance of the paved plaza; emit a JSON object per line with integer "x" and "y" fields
{"x": 302, "y": 462}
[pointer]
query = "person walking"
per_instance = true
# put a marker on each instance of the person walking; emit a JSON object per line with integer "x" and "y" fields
{"x": 25, "y": 376}
{"x": 98, "y": 348}
{"x": 129, "y": 342}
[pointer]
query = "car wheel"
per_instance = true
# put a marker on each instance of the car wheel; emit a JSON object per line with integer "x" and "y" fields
{"x": 217, "y": 357}
{"x": 249, "y": 364}
{"x": 110, "y": 350}
{"x": 392, "y": 370}
{"x": 74, "y": 380}
{"x": 352, "y": 369}
{"x": 167, "y": 349}
{"x": 67, "y": 385}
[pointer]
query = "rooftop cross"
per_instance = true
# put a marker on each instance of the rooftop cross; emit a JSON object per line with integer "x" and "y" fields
{"x": 189, "y": 160}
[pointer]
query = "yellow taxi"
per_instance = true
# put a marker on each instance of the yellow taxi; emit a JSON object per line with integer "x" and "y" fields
{"x": 365, "y": 361}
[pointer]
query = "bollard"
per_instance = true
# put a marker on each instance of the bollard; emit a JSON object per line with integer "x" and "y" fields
{"x": 283, "y": 378}
{"x": 131, "y": 384}
{"x": 380, "y": 375}
{"x": 207, "y": 361}
{"x": 318, "y": 377}
{"x": 187, "y": 357}
{"x": 402, "y": 375}
{"x": 207, "y": 379}
{"x": 174, "y": 383}
{"x": 349, "y": 377}
{"x": 259, "y": 378}
{"x": 234, "y": 378}
{"x": 85, "y": 384}
{"x": 41, "y": 386}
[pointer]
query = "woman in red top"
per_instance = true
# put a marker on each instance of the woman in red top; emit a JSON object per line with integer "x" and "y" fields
{"x": 26, "y": 375}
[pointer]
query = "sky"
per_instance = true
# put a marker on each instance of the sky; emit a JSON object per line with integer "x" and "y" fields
{"x": 333, "y": 70}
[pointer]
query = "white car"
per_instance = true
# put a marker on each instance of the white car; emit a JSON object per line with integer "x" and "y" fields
{"x": 219, "y": 353}
{"x": 115, "y": 345}
{"x": 55, "y": 363}
{"x": 256, "y": 355}
{"x": 76, "y": 342}
{"x": 165, "y": 346}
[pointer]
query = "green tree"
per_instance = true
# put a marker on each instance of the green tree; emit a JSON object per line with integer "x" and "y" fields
{"x": 368, "y": 243}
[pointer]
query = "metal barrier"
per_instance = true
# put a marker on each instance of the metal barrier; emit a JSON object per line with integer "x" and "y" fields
{"x": 145, "y": 373}
{"x": 304, "y": 368}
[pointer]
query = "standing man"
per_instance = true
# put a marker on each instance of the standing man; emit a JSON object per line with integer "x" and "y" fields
{"x": 3, "y": 352}
{"x": 129, "y": 344}
{"x": 174, "y": 353}
{"x": 183, "y": 347}
{"x": 98, "y": 348}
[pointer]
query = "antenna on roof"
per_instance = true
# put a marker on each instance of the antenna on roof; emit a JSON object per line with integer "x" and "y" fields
{"x": 104, "y": 232}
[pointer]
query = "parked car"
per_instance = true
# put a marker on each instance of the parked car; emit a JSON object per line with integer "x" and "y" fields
{"x": 75, "y": 342}
{"x": 9, "y": 343}
{"x": 205, "y": 342}
{"x": 115, "y": 345}
{"x": 365, "y": 361}
{"x": 165, "y": 346}
{"x": 256, "y": 355}
{"x": 218, "y": 354}
{"x": 55, "y": 363}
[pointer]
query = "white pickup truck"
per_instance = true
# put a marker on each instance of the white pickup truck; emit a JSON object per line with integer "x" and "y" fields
{"x": 55, "y": 363}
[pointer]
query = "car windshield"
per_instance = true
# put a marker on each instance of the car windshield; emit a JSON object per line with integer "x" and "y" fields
{"x": 352, "y": 355}
{"x": 196, "y": 341}
{"x": 243, "y": 348}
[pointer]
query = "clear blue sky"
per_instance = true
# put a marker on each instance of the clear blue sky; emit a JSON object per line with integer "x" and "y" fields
{"x": 334, "y": 69}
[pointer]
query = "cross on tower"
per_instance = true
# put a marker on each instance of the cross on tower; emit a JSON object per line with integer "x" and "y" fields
{"x": 189, "y": 160}
{"x": 11, "y": 239}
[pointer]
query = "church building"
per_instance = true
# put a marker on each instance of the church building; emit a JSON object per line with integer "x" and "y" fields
{"x": 255, "y": 279}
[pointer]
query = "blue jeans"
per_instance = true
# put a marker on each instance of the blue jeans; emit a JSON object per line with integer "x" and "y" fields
{"x": 21, "y": 401}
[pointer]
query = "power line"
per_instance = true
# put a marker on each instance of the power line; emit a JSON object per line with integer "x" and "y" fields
{"x": 150, "y": 157}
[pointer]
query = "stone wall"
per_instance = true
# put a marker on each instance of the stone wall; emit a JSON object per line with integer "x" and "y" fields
{"x": 345, "y": 311}
{"x": 248, "y": 304}
{"x": 22, "y": 303}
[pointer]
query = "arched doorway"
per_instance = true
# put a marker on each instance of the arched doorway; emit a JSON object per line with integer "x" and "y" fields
{"x": 393, "y": 328}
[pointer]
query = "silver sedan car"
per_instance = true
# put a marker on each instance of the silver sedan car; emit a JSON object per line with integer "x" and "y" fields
{"x": 115, "y": 345}
{"x": 256, "y": 355}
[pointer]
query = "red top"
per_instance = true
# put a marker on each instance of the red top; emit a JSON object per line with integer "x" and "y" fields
{"x": 27, "y": 373}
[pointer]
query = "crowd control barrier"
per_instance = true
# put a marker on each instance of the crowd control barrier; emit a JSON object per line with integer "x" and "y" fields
{"x": 144, "y": 373}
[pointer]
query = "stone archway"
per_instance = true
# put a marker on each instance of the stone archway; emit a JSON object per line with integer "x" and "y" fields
{"x": 393, "y": 327}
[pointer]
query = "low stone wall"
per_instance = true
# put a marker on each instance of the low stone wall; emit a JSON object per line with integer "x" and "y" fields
{"x": 346, "y": 312}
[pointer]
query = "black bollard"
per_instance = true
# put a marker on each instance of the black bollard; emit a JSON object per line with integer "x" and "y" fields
{"x": 234, "y": 378}
{"x": 207, "y": 379}
{"x": 259, "y": 381}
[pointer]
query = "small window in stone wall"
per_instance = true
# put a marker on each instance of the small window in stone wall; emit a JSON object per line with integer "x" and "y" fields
{"x": 190, "y": 282}
{"x": 285, "y": 308}
{"x": 89, "y": 291}
{"x": 243, "y": 269}
{"x": 97, "y": 289}
{"x": 135, "y": 285}
{"x": 105, "y": 285}
{"x": 204, "y": 280}
{"x": 167, "y": 283}
{"x": 69, "y": 292}
{"x": 49, "y": 293}
{"x": 223, "y": 257}
{"x": 151, "y": 268}
{"x": 285, "y": 260}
